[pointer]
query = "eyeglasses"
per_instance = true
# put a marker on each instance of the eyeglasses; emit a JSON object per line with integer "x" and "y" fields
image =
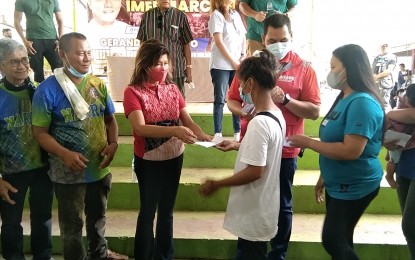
{"x": 160, "y": 21}
{"x": 16, "y": 62}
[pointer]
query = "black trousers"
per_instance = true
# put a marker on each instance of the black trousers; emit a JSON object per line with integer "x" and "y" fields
{"x": 37, "y": 185}
{"x": 158, "y": 182}
{"x": 44, "y": 49}
{"x": 340, "y": 222}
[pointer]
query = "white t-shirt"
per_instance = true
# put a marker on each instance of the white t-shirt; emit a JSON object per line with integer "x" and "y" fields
{"x": 233, "y": 34}
{"x": 252, "y": 212}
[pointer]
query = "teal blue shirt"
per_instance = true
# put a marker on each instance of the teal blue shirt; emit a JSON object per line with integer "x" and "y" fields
{"x": 357, "y": 114}
{"x": 256, "y": 29}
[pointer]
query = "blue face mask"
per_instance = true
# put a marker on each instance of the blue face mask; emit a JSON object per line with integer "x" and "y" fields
{"x": 74, "y": 72}
{"x": 246, "y": 98}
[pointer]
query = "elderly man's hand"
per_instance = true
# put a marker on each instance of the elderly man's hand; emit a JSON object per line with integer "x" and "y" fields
{"x": 108, "y": 154}
{"x": 5, "y": 188}
{"x": 75, "y": 161}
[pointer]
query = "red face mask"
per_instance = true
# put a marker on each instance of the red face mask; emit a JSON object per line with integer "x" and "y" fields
{"x": 158, "y": 73}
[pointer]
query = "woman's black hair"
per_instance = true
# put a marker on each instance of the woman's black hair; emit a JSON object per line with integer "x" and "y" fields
{"x": 358, "y": 69}
{"x": 359, "y": 74}
{"x": 147, "y": 56}
{"x": 262, "y": 67}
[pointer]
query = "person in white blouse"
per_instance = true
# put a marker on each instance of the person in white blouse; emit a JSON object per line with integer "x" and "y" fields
{"x": 228, "y": 48}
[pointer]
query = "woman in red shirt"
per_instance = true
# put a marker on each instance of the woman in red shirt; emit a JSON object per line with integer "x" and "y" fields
{"x": 155, "y": 107}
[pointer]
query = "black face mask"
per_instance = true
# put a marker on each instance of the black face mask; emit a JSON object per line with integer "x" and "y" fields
{"x": 27, "y": 84}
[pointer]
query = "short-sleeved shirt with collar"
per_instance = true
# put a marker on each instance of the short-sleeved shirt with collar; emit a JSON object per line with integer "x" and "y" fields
{"x": 160, "y": 105}
{"x": 39, "y": 18}
{"x": 172, "y": 29}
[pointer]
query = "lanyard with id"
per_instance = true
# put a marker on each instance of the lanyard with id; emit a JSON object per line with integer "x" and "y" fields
{"x": 269, "y": 6}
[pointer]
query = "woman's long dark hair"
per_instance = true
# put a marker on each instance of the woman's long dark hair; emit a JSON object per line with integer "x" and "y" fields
{"x": 359, "y": 73}
{"x": 358, "y": 68}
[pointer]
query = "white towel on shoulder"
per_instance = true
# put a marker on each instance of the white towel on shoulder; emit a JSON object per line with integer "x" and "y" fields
{"x": 78, "y": 103}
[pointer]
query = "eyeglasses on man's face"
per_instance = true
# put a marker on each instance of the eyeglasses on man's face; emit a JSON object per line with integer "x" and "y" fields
{"x": 16, "y": 62}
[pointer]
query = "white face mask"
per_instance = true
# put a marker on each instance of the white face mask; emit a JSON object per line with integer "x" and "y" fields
{"x": 333, "y": 80}
{"x": 279, "y": 49}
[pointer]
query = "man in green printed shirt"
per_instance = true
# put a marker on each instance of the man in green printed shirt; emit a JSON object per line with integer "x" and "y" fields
{"x": 81, "y": 144}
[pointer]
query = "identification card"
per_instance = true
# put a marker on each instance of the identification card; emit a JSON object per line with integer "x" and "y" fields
{"x": 269, "y": 6}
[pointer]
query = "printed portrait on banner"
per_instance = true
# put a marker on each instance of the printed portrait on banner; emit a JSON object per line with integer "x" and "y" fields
{"x": 111, "y": 26}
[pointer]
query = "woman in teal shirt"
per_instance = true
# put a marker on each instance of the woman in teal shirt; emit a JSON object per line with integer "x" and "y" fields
{"x": 349, "y": 145}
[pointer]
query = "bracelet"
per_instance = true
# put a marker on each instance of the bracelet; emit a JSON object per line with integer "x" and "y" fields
{"x": 189, "y": 66}
{"x": 115, "y": 142}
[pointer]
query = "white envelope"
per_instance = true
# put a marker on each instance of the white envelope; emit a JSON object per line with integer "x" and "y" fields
{"x": 402, "y": 138}
{"x": 214, "y": 142}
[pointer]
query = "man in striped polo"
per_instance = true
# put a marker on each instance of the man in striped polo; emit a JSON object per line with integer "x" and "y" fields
{"x": 170, "y": 26}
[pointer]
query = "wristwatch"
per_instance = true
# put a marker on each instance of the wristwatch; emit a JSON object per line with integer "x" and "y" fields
{"x": 287, "y": 99}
